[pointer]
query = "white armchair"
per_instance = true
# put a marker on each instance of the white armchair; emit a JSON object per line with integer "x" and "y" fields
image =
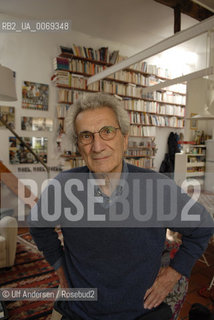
{"x": 8, "y": 234}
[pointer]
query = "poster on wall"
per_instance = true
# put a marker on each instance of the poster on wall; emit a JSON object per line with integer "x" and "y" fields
{"x": 36, "y": 124}
{"x": 8, "y": 114}
{"x": 193, "y": 122}
{"x": 35, "y": 96}
{"x": 19, "y": 154}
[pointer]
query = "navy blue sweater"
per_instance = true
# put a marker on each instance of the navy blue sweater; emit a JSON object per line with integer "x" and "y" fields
{"x": 122, "y": 263}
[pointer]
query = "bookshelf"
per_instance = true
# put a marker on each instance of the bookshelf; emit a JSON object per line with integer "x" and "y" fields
{"x": 191, "y": 165}
{"x": 163, "y": 108}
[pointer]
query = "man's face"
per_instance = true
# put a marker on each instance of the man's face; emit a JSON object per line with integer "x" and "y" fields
{"x": 101, "y": 155}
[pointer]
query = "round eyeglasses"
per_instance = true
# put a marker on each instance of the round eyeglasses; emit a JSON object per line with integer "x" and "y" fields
{"x": 105, "y": 133}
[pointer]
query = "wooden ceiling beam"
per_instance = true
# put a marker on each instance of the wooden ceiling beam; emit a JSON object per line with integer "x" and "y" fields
{"x": 189, "y": 8}
{"x": 177, "y": 19}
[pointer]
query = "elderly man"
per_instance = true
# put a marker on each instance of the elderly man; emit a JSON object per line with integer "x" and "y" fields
{"x": 123, "y": 263}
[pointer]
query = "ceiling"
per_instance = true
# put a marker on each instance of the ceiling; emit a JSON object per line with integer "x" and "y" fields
{"x": 137, "y": 23}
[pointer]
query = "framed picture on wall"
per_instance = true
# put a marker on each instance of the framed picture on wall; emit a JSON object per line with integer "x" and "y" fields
{"x": 35, "y": 95}
{"x": 193, "y": 122}
{"x": 8, "y": 114}
{"x": 36, "y": 124}
{"x": 18, "y": 153}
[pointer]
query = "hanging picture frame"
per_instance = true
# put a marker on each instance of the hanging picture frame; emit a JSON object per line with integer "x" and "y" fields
{"x": 8, "y": 114}
{"x": 193, "y": 122}
{"x": 35, "y": 96}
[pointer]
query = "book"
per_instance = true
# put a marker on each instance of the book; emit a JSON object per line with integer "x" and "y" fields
{"x": 113, "y": 56}
{"x": 103, "y": 53}
{"x": 85, "y": 52}
{"x": 75, "y": 50}
{"x": 66, "y": 50}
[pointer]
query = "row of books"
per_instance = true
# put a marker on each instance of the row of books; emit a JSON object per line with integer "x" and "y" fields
{"x": 142, "y": 162}
{"x": 167, "y": 121}
{"x": 136, "y": 130}
{"x": 196, "y": 159}
{"x": 91, "y": 68}
{"x": 64, "y": 78}
{"x": 61, "y": 77}
{"x": 86, "y": 67}
{"x": 165, "y": 96}
{"x": 152, "y": 69}
{"x": 61, "y": 63}
{"x": 170, "y": 110}
{"x": 78, "y": 82}
{"x": 75, "y": 65}
{"x": 120, "y": 89}
{"x": 145, "y": 143}
{"x": 103, "y": 54}
{"x": 94, "y": 86}
{"x": 65, "y": 96}
{"x": 77, "y": 95}
{"x": 166, "y": 110}
{"x": 133, "y": 77}
{"x": 153, "y": 107}
{"x": 140, "y": 152}
{"x": 62, "y": 110}
{"x": 71, "y": 96}
{"x": 154, "y": 120}
{"x": 131, "y": 90}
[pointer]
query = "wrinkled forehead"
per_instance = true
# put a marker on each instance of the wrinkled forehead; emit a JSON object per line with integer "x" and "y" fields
{"x": 91, "y": 119}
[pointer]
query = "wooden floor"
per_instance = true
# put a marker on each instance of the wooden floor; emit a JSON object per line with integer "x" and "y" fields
{"x": 201, "y": 277}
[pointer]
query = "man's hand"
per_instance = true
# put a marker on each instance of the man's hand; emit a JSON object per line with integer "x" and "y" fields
{"x": 164, "y": 283}
{"x": 62, "y": 278}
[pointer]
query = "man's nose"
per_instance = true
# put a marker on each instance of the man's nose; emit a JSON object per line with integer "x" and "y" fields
{"x": 98, "y": 143}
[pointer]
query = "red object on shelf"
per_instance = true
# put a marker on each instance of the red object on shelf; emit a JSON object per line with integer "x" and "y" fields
{"x": 186, "y": 142}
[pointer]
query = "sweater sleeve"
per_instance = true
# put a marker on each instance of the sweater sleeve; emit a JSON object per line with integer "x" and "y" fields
{"x": 194, "y": 243}
{"x": 42, "y": 220}
{"x": 195, "y": 237}
{"x": 47, "y": 241}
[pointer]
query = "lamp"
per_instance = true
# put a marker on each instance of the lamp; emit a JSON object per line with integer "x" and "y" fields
{"x": 8, "y": 93}
{"x": 205, "y": 115}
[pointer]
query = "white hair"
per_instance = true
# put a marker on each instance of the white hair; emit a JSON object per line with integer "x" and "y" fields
{"x": 95, "y": 101}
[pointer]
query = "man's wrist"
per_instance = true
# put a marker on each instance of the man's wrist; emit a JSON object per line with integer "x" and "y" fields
{"x": 172, "y": 272}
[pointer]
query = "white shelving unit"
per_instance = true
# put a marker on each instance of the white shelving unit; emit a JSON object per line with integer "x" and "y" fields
{"x": 190, "y": 165}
